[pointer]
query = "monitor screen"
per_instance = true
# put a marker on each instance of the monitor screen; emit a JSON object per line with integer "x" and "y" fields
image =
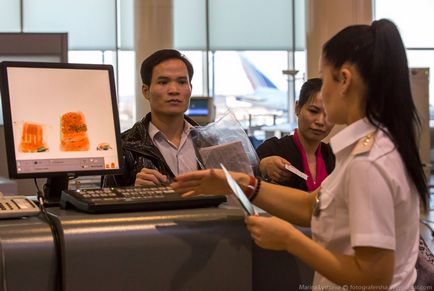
{"x": 198, "y": 106}
{"x": 61, "y": 120}
{"x": 201, "y": 109}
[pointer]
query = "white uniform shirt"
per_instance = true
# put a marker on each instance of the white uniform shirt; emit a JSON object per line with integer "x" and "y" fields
{"x": 368, "y": 201}
{"x": 180, "y": 159}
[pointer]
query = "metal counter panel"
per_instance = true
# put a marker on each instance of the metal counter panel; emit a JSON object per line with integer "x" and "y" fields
{"x": 195, "y": 249}
{"x": 28, "y": 259}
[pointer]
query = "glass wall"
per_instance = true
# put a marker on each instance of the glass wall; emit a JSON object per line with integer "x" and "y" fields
{"x": 99, "y": 32}
{"x": 240, "y": 49}
{"x": 252, "y": 56}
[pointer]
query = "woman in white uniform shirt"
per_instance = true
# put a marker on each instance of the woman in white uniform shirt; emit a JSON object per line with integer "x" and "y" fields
{"x": 365, "y": 216}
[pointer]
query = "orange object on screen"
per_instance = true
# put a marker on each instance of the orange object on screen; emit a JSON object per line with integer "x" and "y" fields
{"x": 73, "y": 132}
{"x": 32, "y": 139}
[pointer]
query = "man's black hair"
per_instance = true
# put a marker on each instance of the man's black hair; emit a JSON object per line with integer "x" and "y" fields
{"x": 160, "y": 56}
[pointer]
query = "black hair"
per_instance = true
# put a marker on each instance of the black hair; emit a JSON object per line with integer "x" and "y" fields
{"x": 160, "y": 56}
{"x": 378, "y": 53}
{"x": 309, "y": 88}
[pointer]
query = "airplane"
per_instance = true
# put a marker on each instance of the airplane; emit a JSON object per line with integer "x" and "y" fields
{"x": 265, "y": 102}
{"x": 266, "y": 93}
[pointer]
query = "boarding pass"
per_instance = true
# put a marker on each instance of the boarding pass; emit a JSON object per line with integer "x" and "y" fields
{"x": 296, "y": 171}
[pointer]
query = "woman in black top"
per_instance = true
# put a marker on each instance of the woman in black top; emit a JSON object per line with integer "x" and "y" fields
{"x": 304, "y": 149}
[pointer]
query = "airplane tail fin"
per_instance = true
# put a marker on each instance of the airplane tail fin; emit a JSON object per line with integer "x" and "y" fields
{"x": 256, "y": 77}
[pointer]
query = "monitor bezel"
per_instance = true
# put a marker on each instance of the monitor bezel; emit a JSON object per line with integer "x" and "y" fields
{"x": 8, "y": 125}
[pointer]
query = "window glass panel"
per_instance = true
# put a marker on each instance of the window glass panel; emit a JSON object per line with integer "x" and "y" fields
{"x": 125, "y": 78}
{"x": 125, "y": 84}
{"x": 85, "y": 57}
{"x": 126, "y": 88}
{"x": 415, "y": 23}
{"x": 300, "y": 26}
{"x": 90, "y": 24}
{"x": 196, "y": 59}
{"x": 254, "y": 86}
{"x": 189, "y": 24}
{"x": 250, "y": 25}
{"x": 127, "y": 24}
{"x": 300, "y": 67}
{"x": 9, "y": 16}
{"x": 109, "y": 58}
{"x": 415, "y": 26}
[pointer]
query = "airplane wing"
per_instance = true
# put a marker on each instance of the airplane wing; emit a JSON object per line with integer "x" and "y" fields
{"x": 251, "y": 98}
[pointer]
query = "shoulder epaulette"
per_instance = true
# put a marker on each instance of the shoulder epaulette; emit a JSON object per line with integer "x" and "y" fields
{"x": 364, "y": 144}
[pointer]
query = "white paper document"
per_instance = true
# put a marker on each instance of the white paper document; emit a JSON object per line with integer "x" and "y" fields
{"x": 296, "y": 171}
{"x": 248, "y": 207}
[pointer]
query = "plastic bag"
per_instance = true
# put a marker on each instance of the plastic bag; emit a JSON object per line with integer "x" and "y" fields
{"x": 225, "y": 141}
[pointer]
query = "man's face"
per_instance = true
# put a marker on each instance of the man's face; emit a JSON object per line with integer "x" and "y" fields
{"x": 170, "y": 89}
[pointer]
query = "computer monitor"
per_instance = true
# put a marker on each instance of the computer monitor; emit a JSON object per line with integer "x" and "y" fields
{"x": 201, "y": 109}
{"x": 61, "y": 121}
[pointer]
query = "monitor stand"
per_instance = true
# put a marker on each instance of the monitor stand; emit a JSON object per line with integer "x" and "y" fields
{"x": 53, "y": 189}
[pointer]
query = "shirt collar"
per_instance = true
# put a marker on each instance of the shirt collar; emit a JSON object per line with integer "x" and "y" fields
{"x": 153, "y": 130}
{"x": 351, "y": 134}
{"x": 187, "y": 127}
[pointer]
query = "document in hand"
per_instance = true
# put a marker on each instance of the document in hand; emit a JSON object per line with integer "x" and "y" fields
{"x": 244, "y": 201}
{"x": 230, "y": 154}
{"x": 296, "y": 171}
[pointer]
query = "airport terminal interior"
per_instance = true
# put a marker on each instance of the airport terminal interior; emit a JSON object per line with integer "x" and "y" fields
{"x": 250, "y": 59}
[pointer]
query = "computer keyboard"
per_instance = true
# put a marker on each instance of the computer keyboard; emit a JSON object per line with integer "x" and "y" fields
{"x": 122, "y": 199}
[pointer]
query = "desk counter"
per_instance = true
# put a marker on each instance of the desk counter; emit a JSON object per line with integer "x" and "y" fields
{"x": 28, "y": 258}
{"x": 195, "y": 249}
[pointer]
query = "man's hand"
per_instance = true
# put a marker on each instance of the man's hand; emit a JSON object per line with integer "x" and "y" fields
{"x": 150, "y": 177}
